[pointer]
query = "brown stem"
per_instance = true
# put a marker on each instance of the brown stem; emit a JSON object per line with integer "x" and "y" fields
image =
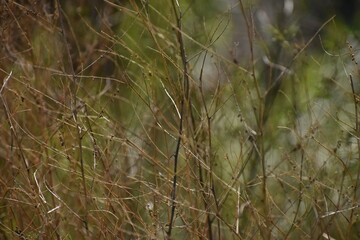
{"x": 73, "y": 87}
{"x": 185, "y": 100}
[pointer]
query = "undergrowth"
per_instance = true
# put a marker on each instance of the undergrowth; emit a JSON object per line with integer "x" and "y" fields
{"x": 176, "y": 120}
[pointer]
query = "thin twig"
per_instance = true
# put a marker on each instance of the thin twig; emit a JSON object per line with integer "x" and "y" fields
{"x": 201, "y": 179}
{"x": 12, "y": 128}
{"x": 357, "y": 129}
{"x": 5, "y": 82}
{"x": 184, "y": 100}
{"x": 73, "y": 87}
{"x": 260, "y": 122}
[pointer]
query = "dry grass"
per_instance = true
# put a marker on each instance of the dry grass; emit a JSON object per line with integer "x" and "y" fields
{"x": 143, "y": 120}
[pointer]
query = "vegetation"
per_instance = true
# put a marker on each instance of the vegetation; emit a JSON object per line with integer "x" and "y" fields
{"x": 178, "y": 120}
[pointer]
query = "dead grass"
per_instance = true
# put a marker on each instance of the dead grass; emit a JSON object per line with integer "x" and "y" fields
{"x": 142, "y": 121}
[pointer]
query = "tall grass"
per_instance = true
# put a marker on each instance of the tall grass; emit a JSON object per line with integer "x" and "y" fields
{"x": 149, "y": 120}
